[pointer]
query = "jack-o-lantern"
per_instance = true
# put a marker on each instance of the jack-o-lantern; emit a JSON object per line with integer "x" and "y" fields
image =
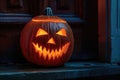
{"x": 47, "y": 41}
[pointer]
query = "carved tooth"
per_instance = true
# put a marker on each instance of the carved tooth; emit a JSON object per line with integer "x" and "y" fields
{"x": 44, "y": 53}
{"x": 56, "y": 53}
{"x": 49, "y": 56}
{"x": 44, "y": 50}
{"x": 40, "y": 49}
{"x": 52, "y": 54}
{"x": 48, "y": 51}
{"x": 35, "y": 47}
{"x": 40, "y": 54}
{"x": 57, "y": 49}
{"x": 61, "y": 52}
{"x": 66, "y": 46}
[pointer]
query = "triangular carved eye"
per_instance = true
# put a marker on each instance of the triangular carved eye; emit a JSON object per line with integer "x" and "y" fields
{"x": 41, "y": 32}
{"x": 62, "y": 32}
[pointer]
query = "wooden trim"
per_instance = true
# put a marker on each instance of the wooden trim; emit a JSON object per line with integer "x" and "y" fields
{"x": 103, "y": 30}
{"x": 115, "y": 31}
{"x": 10, "y": 18}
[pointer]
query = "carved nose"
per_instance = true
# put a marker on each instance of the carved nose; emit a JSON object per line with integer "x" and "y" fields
{"x": 51, "y": 41}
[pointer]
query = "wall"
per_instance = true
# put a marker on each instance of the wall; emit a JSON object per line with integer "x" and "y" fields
{"x": 115, "y": 31}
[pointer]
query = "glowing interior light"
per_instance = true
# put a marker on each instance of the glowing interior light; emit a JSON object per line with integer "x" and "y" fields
{"x": 61, "y": 32}
{"x": 50, "y": 54}
{"x": 51, "y": 41}
{"x": 41, "y": 32}
{"x": 49, "y": 20}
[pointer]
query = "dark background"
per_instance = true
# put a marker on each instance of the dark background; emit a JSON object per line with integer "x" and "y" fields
{"x": 82, "y": 15}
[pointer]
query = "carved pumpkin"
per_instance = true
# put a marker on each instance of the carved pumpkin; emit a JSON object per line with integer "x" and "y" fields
{"x": 47, "y": 41}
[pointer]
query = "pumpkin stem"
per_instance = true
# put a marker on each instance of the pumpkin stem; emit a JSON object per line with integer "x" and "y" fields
{"x": 48, "y": 11}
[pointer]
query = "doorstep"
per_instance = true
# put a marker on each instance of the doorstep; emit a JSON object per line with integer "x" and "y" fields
{"x": 70, "y": 70}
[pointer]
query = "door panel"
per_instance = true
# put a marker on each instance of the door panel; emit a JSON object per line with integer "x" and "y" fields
{"x": 80, "y": 14}
{"x": 115, "y": 31}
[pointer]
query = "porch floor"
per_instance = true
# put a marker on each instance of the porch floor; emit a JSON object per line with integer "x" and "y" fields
{"x": 71, "y": 70}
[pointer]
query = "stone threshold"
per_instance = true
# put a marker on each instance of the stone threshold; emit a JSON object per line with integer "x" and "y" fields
{"x": 71, "y": 70}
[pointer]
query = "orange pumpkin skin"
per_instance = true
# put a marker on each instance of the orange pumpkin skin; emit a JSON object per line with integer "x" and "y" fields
{"x": 47, "y": 41}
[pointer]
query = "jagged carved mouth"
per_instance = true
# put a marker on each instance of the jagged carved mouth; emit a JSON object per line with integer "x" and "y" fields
{"x": 51, "y": 53}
